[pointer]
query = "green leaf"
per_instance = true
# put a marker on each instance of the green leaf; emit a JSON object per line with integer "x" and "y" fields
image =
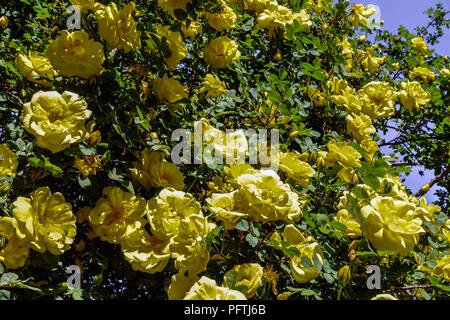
{"x": 440, "y": 218}
{"x": 180, "y": 14}
{"x": 338, "y": 226}
{"x": 275, "y": 97}
{"x": 242, "y": 225}
{"x": 252, "y": 240}
{"x": 306, "y": 262}
{"x": 317, "y": 262}
{"x": 360, "y": 193}
{"x": 5, "y": 295}
{"x": 2, "y": 268}
{"x": 84, "y": 181}
{"x": 8, "y": 278}
{"x": 231, "y": 279}
{"x": 370, "y": 180}
{"x": 242, "y": 288}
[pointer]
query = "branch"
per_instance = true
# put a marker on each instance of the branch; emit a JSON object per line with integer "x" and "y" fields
{"x": 407, "y": 164}
{"x": 407, "y": 288}
{"x": 422, "y": 191}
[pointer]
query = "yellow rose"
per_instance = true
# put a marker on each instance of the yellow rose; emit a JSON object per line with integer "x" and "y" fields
{"x": 74, "y": 54}
{"x": 343, "y": 154}
{"x": 370, "y": 62}
{"x": 180, "y": 284}
{"x": 221, "y": 52}
{"x": 224, "y": 19}
{"x": 419, "y": 45}
{"x": 88, "y": 165}
{"x": 56, "y": 120}
{"x": 360, "y": 127}
{"x": 377, "y": 99}
{"x": 352, "y": 225}
{"x": 8, "y": 161}
{"x": 348, "y": 175}
{"x": 116, "y": 214}
{"x": 228, "y": 208}
{"x": 413, "y": 96}
{"x": 255, "y": 5}
{"x": 169, "y": 90}
{"x": 445, "y": 72}
{"x": 213, "y": 86}
{"x": 170, "y": 5}
{"x": 14, "y": 254}
{"x": 35, "y": 66}
{"x": 295, "y": 168}
{"x": 280, "y": 16}
{"x": 422, "y": 73}
{"x": 178, "y": 50}
{"x": 269, "y": 198}
{"x": 87, "y": 5}
{"x": 144, "y": 252}
{"x": 166, "y": 211}
{"x": 118, "y": 28}
{"x": 249, "y": 275}
{"x": 391, "y": 224}
{"x": 307, "y": 247}
{"x": 442, "y": 268}
{"x": 4, "y": 22}
{"x": 206, "y": 289}
{"x": 194, "y": 28}
{"x": 384, "y": 296}
{"x": 360, "y": 14}
{"x": 45, "y": 221}
{"x": 189, "y": 253}
{"x": 153, "y": 171}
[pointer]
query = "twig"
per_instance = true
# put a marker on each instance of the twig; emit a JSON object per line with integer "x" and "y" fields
{"x": 433, "y": 182}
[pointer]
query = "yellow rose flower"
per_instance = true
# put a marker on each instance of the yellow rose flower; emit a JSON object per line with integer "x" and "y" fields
{"x": 224, "y": 19}
{"x": 344, "y": 96}
{"x": 194, "y": 28}
{"x": 307, "y": 247}
{"x": 169, "y": 90}
{"x": 87, "y": 5}
{"x": 88, "y": 165}
{"x": 118, "y": 28}
{"x": 295, "y": 168}
{"x": 370, "y": 62}
{"x": 249, "y": 275}
{"x": 280, "y": 16}
{"x": 232, "y": 146}
{"x": 377, "y": 99}
{"x": 4, "y": 22}
{"x": 384, "y": 296}
{"x": 189, "y": 253}
{"x": 8, "y": 161}
{"x": 45, "y": 221}
{"x": 180, "y": 284}
{"x": 144, "y": 252}
{"x": 255, "y": 5}
{"x": 228, "y": 208}
{"x": 391, "y": 224}
{"x": 34, "y": 66}
{"x": 348, "y": 175}
{"x": 360, "y": 14}
{"x": 74, "y": 54}
{"x": 213, "y": 86}
{"x": 423, "y": 74}
{"x": 116, "y": 214}
{"x": 442, "y": 268}
{"x": 412, "y": 95}
{"x": 269, "y": 198}
{"x": 343, "y": 154}
{"x": 178, "y": 50}
{"x": 419, "y": 45}
{"x": 56, "y": 120}
{"x": 370, "y": 146}
{"x": 353, "y": 230}
{"x": 166, "y": 211}
{"x": 170, "y": 5}
{"x": 206, "y": 289}
{"x": 153, "y": 171}
{"x": 14, "y": 254}
{"x": 221, "y": 52}
{"x": 445, "y": 72}
{"x": 360, "y": 127}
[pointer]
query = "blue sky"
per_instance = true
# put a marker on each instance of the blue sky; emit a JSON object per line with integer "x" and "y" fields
{"x": 409, "y": 13}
